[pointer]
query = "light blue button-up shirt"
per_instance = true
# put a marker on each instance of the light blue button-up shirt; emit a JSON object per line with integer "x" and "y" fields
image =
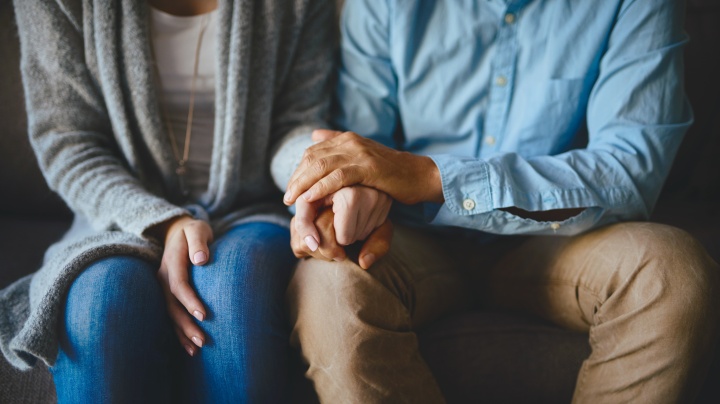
{"x": 540, "y": 105}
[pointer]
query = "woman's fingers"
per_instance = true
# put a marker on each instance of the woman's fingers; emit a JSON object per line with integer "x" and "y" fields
{"x": 188, "y": 332}
{"x": 376, "y": 246}
{"x": 186, "y": 241}
{"x": 198, "y": 235}
{"x": 175, "y": 262}
{"x": 329, "y": 248}
{"x": 304, "y": 224}
{"x": 186, "y": 329}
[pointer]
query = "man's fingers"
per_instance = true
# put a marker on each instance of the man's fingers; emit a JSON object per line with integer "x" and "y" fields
{"x": 376, "y": 245}
{"x": 312, "y": 169}
{"x": 346, "y": 213}
{"x": 321, "y": 135}
{"x": 198, "y": 235}
{"x": 337, "y": 179}
{"x": 378, "y": 215}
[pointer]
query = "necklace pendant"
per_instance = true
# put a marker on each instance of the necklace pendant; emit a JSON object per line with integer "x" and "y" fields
{"x": 181, "y": 171}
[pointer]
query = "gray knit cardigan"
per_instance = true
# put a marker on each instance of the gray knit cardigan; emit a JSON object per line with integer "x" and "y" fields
{"x": 95, "y": 126}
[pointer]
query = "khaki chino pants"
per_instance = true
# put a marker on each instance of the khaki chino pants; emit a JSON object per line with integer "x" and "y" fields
{"x": 647, "y": 294}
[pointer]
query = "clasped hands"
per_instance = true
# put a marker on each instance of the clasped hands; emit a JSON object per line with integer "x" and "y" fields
{"x": 343, "y": 189}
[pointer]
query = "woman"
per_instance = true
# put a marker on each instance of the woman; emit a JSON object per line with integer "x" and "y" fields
{"x": 157, "y": 123}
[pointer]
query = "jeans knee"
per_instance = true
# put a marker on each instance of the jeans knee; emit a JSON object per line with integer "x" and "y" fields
{"x": 113, "y": 298}
{"x": 247, "y": 276}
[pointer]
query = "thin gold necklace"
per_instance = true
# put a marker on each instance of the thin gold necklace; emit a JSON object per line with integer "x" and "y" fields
{"x": 181, "y": 169}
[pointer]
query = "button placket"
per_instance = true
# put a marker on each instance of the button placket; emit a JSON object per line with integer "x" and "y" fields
{"x": 503, "y": 72}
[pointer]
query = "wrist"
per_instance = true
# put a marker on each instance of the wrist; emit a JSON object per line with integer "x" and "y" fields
{"x": 428, "y": 181}
{"x": 162, "y": 231}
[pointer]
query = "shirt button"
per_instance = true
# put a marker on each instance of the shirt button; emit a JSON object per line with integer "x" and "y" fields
{"x": 490, "y": 140}
{"x": 555, "y": 226}
{"x": 509, "y": 18}
{"x": 501, "y": 81}
{"x": 468, "y": 204}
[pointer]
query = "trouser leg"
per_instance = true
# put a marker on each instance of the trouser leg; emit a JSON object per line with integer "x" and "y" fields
{"x": 355, "y": 327}
{"x": 646, "y": 293}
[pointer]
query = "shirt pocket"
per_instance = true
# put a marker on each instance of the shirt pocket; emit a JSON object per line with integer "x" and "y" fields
{"x": 552, "y": 115}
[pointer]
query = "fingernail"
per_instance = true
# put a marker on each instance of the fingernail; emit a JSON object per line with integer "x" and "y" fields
{"x": 197, "y": 341}
{"x": 311, "y": 243}
{"x": 190, "y": 350}
{"x": 198, "y": 315}
{"x": 339, "y": 259}
{"x": 307, "y": 195}
{"x": 200, "y": 257}
{"x": 287, "y": 196}
{"x": 369, "y": 259}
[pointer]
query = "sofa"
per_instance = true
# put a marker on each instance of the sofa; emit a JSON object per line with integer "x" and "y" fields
{"x": 478, "y": 355}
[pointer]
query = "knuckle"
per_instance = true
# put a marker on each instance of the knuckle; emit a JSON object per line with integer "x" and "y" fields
{"x": 320, "y": 165}
{"x": 177, "y": 286}
{"x": 343, "y": 239}
{"x": 339, "y": 176}
{"x": 336, "y": 251}
{"x": 307, "y": 155}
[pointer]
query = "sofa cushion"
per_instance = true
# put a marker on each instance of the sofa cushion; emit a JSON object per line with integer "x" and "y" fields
{"x": 23, "y": 241}
{"x": 498, "y": 357}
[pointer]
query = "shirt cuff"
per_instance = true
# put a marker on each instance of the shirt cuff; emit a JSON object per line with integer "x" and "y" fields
{"x": 465, "y": 184}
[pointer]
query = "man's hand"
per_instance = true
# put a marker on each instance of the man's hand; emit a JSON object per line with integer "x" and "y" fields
{"x": 375, "y": 246}
{"x": 344, "y": 159}
{"x": 186, "y": 241}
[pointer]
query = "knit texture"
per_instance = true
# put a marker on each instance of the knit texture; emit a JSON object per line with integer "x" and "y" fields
{"x": 95, "y": 126}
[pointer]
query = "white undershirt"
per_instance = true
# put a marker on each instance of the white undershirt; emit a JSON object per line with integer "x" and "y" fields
{"x": 174, "y": 41}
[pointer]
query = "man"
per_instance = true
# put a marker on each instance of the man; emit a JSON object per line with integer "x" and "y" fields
{"x": 473, "y": 114}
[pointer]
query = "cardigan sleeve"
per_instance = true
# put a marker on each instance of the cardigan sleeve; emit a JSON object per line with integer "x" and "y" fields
{"x": 69, "y": 126}
{"x": 303, "y": 103}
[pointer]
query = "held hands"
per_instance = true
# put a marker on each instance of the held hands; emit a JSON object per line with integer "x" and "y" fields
{"x": 375, "y": 246}
{"x": 356, "y": 213}
{"x": 186, "y": 242}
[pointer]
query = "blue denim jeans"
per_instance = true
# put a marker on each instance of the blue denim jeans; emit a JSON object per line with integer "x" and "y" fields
{"x": 117, "y": 343}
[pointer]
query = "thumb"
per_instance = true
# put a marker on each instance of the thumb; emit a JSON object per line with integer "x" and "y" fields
{"x": 320, "y": 135}
{"x": 198, "y": 235}
{"x": 305, "y": 214}
{"x": 376, "y": 245}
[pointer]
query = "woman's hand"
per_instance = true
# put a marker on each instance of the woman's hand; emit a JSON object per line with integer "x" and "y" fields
{"x": 186, "y": 242}
{"x": 376, "y": 245}
{"x": 358, "y": 211}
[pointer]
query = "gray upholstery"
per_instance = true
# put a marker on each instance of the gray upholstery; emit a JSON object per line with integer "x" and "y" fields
{"x": 476, "y": 356}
